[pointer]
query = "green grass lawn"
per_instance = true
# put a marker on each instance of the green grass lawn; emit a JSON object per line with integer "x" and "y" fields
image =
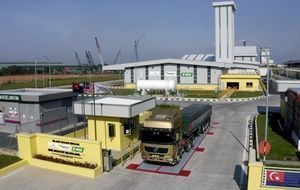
{"x": 281, "y": 145}
{"x": 199, "y": 93}
{"x": 246, "y": 94}
{"x": 57, "y": 82}
{"x": 6, "y": 160}
{"x": 123, "y": 92}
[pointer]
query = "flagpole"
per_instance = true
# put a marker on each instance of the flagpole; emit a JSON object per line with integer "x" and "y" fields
{"x": 83, "y": 107}
{"x": 94, "y": 110}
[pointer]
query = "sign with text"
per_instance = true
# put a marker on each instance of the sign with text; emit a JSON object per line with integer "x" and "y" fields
{"x": 65, "y": 149}
{"x": 170, "y": 73}
{"x": 8, "y": 97}
{"x": 186, "y": 74}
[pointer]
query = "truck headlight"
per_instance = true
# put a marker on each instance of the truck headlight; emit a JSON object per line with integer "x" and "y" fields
{"x": 170, "y": 159}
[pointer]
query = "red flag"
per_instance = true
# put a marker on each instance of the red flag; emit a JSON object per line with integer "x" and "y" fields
{"x": 275, "y": 176}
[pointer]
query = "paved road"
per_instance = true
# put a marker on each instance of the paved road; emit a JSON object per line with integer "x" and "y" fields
{"x": 220, "y": 166}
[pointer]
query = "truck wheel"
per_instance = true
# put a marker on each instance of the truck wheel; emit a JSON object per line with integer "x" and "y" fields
{"x": 193, "y": 142}
{"x": 188, "y": 147}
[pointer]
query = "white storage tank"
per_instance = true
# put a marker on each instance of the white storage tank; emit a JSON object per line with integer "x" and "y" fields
{"x": 156, "y": 85}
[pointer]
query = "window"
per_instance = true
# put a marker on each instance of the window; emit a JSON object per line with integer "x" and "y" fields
{"x": 178, "y": 73}
{"x": 111, "y": 130}
{"x": 195, "y": 74}
{"x": 162, "y": 72}
{"x": 131, "y": 75}
{"x": 208, "y": 75}
{"x": 249, "y": 84}
{"x": 127, "y": 129}
{"x": 147, "y": 73}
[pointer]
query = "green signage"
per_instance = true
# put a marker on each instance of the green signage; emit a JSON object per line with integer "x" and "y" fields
{"x": 186, "y": 74}
{"x": 77, "y": 149}
{"x": 8, "y": 97}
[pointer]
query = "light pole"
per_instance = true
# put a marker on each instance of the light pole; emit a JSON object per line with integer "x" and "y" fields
{"x": 35, "y": 77}
{"x": 35, "y": 82}
{"x": 49, "y": 76}
{"x": 267, "y": 103}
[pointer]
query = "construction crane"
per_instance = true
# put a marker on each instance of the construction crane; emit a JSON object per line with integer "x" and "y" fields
{"x": 136, "y": 43}
{"x": 87, "y": 57}
{"x": 77, "y": 58}
{"x": 117, "y": 57}
{"x": 99, "y": 52}
{"x": 91, "y": 58}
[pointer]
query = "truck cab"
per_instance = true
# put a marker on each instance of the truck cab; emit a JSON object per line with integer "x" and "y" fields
{"x": 161, "y": 136}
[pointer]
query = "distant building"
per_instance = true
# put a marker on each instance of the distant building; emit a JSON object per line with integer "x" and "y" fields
{"x": 198, "y": 71}
{"x": 293, "y": 64}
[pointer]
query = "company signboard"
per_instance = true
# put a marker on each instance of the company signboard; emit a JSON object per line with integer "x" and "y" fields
{"x": 170, "y": 73}
{"x": 281, "y": 178}
{"x": 65, "y": 149}
{"x": 186, "y": 74}
{"x": 8, "y": 97}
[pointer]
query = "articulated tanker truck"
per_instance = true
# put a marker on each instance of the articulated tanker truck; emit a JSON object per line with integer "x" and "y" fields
{"x": 169, "y": 131}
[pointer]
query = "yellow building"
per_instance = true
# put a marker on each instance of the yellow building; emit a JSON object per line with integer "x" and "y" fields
{"x": 241, "y": 82}
{"x": 114, "y": 121}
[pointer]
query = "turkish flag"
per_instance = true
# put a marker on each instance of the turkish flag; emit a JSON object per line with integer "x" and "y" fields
{"x": 275, "y": 176}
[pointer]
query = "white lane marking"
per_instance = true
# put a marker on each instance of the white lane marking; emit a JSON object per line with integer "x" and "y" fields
{"x": 244, "y": 154}
{"x": 12, "y": 173}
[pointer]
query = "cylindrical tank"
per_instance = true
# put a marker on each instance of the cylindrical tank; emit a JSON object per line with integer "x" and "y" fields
{"x": 156, "y": 85}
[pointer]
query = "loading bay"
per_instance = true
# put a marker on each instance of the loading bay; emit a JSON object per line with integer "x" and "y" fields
{"x": 222, "y": 164}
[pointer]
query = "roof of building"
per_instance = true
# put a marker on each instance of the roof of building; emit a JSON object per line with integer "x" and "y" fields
{"x": 236, "y": 64}
{"x": 199, "y": 57}
{"x": 292, "y": 62}
{"x": 126, "y": 106}
{"x": 224, "y": 3}
{"x": 35, "y": 94}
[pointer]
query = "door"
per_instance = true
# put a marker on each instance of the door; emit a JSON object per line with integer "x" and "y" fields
{"x": 233, "y": 85}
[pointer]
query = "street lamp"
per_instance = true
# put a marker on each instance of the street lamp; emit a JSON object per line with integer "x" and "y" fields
{"x": 35, "y": 77}
{"x": 267, "y": 103}
{"x": 49, "y": 76}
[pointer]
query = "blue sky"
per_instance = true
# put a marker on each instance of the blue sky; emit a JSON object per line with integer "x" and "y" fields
{"x": 57, "y": 28}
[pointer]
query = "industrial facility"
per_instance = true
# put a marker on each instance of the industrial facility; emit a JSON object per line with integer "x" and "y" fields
{"x": 201, "y": 71}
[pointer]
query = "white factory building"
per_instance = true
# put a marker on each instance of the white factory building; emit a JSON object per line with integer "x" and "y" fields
{"x": 198, "y": 71}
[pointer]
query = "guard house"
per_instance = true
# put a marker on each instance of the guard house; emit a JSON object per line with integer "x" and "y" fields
{"x": 114, "y": 120}
{"x": 36, "y": 110}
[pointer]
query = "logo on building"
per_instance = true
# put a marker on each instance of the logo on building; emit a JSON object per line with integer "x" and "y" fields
{"x": 64, "y": 148}
{"x": 8, "y": 97}
{"x": 170, "y": 74}
{"x": 186, "y": 74}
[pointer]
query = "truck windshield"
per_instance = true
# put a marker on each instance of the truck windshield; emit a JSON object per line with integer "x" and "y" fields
{"x": 153, "y": 136}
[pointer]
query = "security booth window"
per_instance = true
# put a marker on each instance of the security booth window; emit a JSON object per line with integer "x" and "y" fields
{"x": 111, "y": 130}
{"x": 249, "y": 84}
{"x": 128, "y": 127}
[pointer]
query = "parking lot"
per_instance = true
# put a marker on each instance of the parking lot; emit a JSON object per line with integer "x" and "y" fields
{"x": 220, "y": 166}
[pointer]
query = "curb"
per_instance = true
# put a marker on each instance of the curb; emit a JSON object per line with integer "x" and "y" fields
{"x": 212, "y": 100}
{"x": 13, "y": 167}
{"x": 197, "y": 99}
